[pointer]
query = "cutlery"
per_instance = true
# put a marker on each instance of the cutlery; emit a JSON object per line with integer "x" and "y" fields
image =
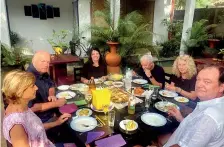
{"x": 86, "y": 125}
{"x": 100, "y": 120}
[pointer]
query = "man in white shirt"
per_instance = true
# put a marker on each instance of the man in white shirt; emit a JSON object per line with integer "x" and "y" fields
{"x": 204, "y": 127}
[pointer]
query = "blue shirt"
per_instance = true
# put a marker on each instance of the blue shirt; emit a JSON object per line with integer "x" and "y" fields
{"x": 44, "y": 83}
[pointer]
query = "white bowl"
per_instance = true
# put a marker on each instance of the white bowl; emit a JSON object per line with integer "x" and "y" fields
{"x": 63, "y": 87}
{"x": 118, "y": 84}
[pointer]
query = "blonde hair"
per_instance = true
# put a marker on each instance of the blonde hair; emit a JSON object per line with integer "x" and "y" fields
{"x": 15, "y": 83}
{"x": 191, "y": 68}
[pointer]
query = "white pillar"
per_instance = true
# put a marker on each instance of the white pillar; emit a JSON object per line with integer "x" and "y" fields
{"x": 115, "y": 6}
{"x": 188, "y": 20}
{"x": 5, "y": 38}
{"x": 161, "y": 11}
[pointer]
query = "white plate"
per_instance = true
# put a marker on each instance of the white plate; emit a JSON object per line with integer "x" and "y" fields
{"x": 108, "y": 83}
{"x": 89, "y": 112}
{"x": 140, "y": 81}
{"x": 78, "y": 123}
{"x": 123, "y": 122}
{"x": 80, "y": 87}
{"x": 115, "y": 77}
{"x": 167, "y": 93}
{"x": 98, "y": 81}
{"x": 139, "y": 95}
{"x": 63, "y": 87}
{"x": 181, "y": 99}
{"x": 153, "y": 119}
{"x": 66, "y": 94}
{"x": 118, "y": 84}
{"x": 94, "y": 109}
{"x": 164, "y": 106}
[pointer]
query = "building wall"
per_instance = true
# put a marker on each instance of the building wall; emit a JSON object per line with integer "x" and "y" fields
{"x": 35, "y": 32}
{"x": 4, "y": 25}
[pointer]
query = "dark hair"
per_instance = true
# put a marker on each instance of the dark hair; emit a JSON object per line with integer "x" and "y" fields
{"x": 101, "y": 61}
{"x": 221, "y": 72}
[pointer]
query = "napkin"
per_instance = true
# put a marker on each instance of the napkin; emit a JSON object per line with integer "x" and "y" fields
{"x": 69, "y": 108}
{"x": 113, "y": 141}
{"x": 80, "y": 103}
{"x": 91, "y": 136}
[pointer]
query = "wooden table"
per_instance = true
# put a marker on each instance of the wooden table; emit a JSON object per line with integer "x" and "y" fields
{"x": 201, "y": 62}
{"x": 58, "y": 65}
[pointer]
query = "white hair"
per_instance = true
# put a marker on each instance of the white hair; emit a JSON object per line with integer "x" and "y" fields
{"x": 147, "y": 57}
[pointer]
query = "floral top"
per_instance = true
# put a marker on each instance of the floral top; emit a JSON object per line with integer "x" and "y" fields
{"x": 32, "y": 125}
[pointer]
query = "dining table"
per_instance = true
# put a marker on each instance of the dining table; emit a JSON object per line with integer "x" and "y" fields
{"x": 145, "y": 134}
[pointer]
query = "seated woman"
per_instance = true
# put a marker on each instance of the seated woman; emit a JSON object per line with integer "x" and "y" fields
{"x": 95, "y": 67}
{"x": 184, "y": 78}
{"x": 21, "y": 127}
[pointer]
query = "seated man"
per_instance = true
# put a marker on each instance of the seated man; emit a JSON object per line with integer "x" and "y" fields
{"x": 45, "y": 103}
{"x": 151, "y": 72}
{"x": 204, "y": 127}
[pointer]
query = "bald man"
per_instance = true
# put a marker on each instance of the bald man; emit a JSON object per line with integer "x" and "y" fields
{"x": 45, "y": 104}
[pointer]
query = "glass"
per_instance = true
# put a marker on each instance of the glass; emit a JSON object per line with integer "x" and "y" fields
{"x": 147, "y": 102}
{"x": 88, "y": 98}
{"x": 105, "y": 110}
{"x": 111, "y": 118}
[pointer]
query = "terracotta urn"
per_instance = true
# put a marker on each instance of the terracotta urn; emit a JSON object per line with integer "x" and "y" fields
{"x": 113, "y": 59}
{"x": 213, "y": 42}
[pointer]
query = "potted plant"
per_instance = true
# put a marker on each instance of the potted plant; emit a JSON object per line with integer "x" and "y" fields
{"x": 13, "y": 57}
{"x": 210, "y": 52}
{"x": 131, "y": 33}
{"x": 59, "y": 41}
{"x": 221, "y": 54}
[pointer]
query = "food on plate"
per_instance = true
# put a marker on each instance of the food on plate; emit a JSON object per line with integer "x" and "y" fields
{"x": 182, "y": 99}
{"x": 130, "y": 125}
{"x": 118, "y": 84}
{"x": 119, "y": 96}
{"x": 83, "y": 112}
{"x": 116, "y": 77}
{"x": 65, "y": 94}
{"x": 165, "y": 107}
{"x": 109, "y": 83}
{"x": 138, "y": 91}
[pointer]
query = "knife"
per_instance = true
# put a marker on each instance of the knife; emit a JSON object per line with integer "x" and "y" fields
{"x": 100, "y": 120}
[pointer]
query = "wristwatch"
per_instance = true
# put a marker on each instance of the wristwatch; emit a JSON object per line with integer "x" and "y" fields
{"x": 151, "y": 77}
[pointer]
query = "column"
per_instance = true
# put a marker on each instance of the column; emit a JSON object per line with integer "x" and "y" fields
{"x": 188, "y": 20}
{"x": 115, "y": 11}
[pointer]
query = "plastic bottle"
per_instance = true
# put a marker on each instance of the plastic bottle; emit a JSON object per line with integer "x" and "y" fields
{"x": 128, "y": 79}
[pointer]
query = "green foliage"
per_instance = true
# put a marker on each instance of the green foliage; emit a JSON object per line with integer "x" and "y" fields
{"x": 13, "y": 56}
{"x": 174, "y": 28}
{"x": 198, "y": 36}
{"x": 170, "y": 48}
{"x": 14, "y": 38}
{"x": 180, "y": 4}
{"x": 59, "y": 39}
{"x": 221, "y": 51}
{"x": 132, "y": 32}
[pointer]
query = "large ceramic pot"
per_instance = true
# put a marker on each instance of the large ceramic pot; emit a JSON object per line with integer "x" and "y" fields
{"x": 113, "y": 59}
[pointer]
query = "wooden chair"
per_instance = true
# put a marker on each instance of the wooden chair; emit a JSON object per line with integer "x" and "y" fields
{"x": 168, "y": 78}
{"x": 78, "y": 72}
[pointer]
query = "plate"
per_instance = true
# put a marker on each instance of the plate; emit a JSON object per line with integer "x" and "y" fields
{"x": 181, "y": 99}
{"x": 98, "y": 81}
{"x": 131, "y": 125}
{"x": 118, "y": 84}
{"x": 115, "y": 77}
{"x": 154, "y": 119}
{"x": 78, "y": 123}
{"x": 119, "y": 95}
{"x": 138, "y": 91}
{"x": 66, "y": 94}
{"x": 94, "y": 109}
{"x": 108, "y": 83}
{"x": 164, "y": 106}
{"x": 167, "y": 93}
{"x": 63, "y": 87}
{"x": 80, "y": 87}
{"x": 140, "y": 81}
{"x": 84, "y": 112}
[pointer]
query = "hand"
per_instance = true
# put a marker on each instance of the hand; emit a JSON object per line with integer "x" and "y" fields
{"x": 148, "y": 73}
{"x": 85, "y": 81}
{"x": 175, "y": 113}
{"x": 52, "y": 98}
{"x": 170, "y": 87}
{"x": 134, "y": 73}
{"x": 60, "y": 102}
{"x": 63, "y": 118}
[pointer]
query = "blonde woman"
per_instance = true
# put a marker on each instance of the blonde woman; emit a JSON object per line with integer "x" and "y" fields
{"x": 21, "y": 127}
{"x": 184, "y": 79}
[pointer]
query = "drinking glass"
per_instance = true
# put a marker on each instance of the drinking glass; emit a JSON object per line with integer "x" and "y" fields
{"x": 88, "y": 98}
{"x": 105, "y": 110}
{"x": 111, "y": 118}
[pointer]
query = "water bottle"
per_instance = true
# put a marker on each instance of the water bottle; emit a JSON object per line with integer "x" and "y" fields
{"x": 147, "y": 102}
{"x": 128, "y": 79}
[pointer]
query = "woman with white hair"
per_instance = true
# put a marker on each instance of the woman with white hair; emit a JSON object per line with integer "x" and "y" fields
{"x": 151, "y": 72}
{"x": 184, "y": 78}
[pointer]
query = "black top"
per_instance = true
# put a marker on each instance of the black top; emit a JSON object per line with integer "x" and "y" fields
{"x": 44, "y": 83}
{"x": 157, "y": 72}
{"x": 91, "y": 71}
{"x": 185, "y": 84}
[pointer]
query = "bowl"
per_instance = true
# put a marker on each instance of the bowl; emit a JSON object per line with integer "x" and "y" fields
{"x": 118, "y": 84}
{"x": 115, "y": 77}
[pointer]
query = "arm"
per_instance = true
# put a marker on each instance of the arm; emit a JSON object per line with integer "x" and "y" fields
{"x": 52, "y": 91}
{"x": 18, "y": 136}
{"x": 154, "y": 82}
{"x": 40, "y": 107}
{"x": 190, "y": 95}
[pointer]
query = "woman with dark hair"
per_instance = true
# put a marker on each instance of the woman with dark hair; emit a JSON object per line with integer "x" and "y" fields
{"x": 95, "y": 67}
